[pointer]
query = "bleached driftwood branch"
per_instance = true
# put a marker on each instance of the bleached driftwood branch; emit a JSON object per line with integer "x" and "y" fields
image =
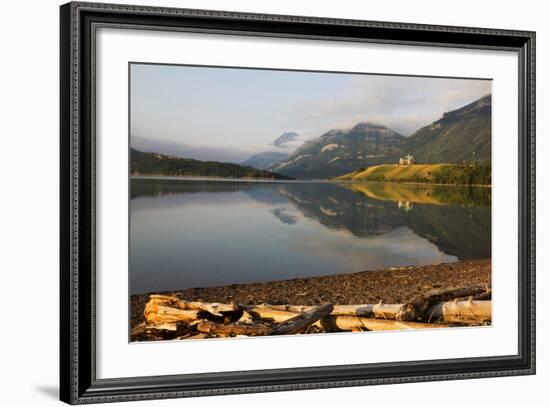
{"x": 214, "y": 308}
{"x": 468, "y": 311}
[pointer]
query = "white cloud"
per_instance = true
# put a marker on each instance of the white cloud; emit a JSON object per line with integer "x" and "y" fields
{"x": 404, "y": 104}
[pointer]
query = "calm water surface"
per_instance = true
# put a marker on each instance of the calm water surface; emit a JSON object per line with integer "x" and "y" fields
{"x": 199, "y": 233}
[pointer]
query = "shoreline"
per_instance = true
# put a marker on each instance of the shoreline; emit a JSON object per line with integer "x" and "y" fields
{"x": 275, "y": 180}
{"x": 394, "y": 285}
{"x": 203, "y": 178}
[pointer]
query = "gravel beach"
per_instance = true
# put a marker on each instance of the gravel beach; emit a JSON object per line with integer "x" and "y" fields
{"x": 396, "y": 285}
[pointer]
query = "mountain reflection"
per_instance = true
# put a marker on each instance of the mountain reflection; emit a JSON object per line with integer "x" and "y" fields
{"x": 456, "y": 219}
{"x": 280, "y": 214}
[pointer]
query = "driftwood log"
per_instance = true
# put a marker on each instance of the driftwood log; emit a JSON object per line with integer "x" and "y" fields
{"x": 158, "y": 313}
{"x": 293, "y": 324}
{"x": 302, "y": 321}
{"x": 333, "y": 322}
{"x": 169, "y": 317}
{"x": 419, "y": 308}
{"x": 213, "y": 308}
{"x": 385, "y": 311}
{"x": 486, "y": 296}
{"x": 349, "y": 323}
{"x": 468, "y": 311}
{"x": 167, "y": 308}
{"x": 233, "y": 329}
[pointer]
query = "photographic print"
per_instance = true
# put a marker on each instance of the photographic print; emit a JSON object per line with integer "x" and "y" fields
{"x": 276, "y": 202}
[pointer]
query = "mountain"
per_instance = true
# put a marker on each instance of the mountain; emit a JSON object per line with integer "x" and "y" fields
{"x": 338, "y": 152}
{"x": 158, "y": 164}
{"x": 262, "y": 161}
{"x": 284, "y": 139}
{"x": 462, "y": 135}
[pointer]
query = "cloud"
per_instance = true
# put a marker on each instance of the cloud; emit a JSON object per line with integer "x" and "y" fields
{"x": 404, "y": 104}
{"x": 196, "y": 152}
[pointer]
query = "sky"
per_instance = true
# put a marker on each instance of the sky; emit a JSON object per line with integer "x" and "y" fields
{"x": 229, "y": 114}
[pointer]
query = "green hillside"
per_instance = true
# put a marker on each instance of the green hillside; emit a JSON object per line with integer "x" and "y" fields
{"x": 458, "y": 174}
{"x": 158, "y": 164}
{"x": 462, "y": 135}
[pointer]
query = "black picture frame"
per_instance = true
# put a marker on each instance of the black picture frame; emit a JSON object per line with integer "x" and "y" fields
{"x": 78, "y": 382}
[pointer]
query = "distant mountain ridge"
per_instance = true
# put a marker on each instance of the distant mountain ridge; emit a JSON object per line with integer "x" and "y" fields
{"x": 262, "y": 161}
{"x": 460, "y": 136}
{"x": 158, "y": 164}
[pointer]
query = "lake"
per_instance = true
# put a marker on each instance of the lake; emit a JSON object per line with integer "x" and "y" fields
{"x": 187, "y": 233}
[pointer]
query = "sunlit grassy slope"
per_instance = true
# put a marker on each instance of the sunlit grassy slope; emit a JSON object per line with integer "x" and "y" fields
{"x": 462, "y": 174}
{"x": 393, "y": 172}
